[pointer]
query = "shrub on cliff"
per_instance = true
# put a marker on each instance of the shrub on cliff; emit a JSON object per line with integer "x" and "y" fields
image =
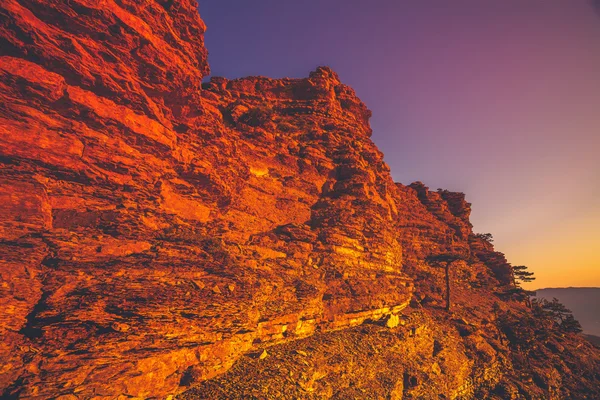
{"x": 485, "y": 236}
{"x": 522, "y": 331}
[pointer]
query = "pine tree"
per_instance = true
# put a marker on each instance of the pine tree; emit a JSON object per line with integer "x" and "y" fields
{"x": 570, "y": 324}
{"x": 561, "y": 315}
{"x": 520, "y": 275}
{"x": 446, "y": 261}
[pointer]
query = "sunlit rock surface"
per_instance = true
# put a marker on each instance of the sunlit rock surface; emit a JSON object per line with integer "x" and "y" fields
{"x": 234, "y": 239}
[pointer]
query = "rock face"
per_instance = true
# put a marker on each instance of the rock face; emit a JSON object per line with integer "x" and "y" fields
{"x": 155, "y": 231}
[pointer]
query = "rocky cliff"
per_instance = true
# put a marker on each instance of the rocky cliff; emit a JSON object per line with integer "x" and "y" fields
{"x": 241, "y": 238}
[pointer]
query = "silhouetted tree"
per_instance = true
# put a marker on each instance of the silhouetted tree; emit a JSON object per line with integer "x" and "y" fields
{"x": 570, "y": 324}
{"x": 555, "y": 307}
{"x": 560, "y": 314}
{"x": 446, "y": 261}
{"x": 520, "y": 275}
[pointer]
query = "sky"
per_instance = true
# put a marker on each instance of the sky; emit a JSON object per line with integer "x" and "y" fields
{"x": 499, "y": 99}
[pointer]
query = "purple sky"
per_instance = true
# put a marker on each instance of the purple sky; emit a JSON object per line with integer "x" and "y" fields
{"x": 499, "y": 99}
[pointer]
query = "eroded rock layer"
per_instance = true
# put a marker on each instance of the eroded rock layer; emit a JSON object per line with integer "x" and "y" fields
{"x": 154, "y": 231}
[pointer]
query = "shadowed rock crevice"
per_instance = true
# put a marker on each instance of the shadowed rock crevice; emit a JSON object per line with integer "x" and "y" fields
{"x": 229, "y": 239}
{"x": 32, "y": 328}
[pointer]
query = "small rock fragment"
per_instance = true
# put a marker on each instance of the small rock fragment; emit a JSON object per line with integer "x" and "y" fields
{"x": 120, "y": 327}
{"x": 392, "y": 321}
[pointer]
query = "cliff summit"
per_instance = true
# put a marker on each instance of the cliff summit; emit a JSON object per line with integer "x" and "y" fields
{"x": 233, "y": 239}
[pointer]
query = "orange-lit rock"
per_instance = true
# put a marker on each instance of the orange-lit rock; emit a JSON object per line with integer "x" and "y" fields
{"x": 156, "y": 232}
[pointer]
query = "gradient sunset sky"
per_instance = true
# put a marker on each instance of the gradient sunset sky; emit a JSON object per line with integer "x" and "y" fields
{"x": 499, "y": 99}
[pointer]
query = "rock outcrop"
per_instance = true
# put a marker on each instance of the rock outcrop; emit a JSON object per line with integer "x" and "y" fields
{"x": 155, "y": 231}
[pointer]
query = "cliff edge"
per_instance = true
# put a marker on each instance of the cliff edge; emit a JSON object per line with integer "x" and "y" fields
{"x": 241, "y": 238}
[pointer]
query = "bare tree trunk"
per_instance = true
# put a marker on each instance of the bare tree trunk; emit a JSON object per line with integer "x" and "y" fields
{"x": 448, "y": 286}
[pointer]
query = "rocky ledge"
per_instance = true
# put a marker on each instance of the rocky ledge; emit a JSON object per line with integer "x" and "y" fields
{"x": 233, "y": 239}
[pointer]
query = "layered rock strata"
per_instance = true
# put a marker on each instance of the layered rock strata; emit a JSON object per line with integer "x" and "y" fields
{"x": 154, "y": 230}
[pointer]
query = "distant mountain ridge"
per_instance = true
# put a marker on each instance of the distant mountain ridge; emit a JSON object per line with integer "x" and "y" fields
{"x": 583, "y": 301}
{"x": 161, "y": 237}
